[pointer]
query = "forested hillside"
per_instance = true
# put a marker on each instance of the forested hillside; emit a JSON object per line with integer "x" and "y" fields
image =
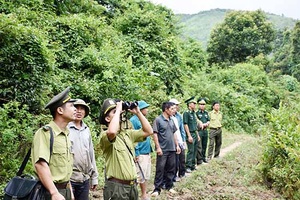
{"x": 198, "y": 26}
{"x": 134, "y": 50}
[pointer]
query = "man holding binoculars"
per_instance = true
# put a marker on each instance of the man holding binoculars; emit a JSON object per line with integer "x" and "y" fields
{"x": 117, "y": 145}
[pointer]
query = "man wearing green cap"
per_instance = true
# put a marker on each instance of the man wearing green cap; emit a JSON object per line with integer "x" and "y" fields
{"x": 203, "y": 116}
{"x": 85, "y": 173}
{"x": 142, "y": 152}
{"x": 54, "y": 170}
{"x": 117, "y": 145}
{"x": 191, "y": 127}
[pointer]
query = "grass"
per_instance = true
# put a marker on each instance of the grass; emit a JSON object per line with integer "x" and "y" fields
{"x": 232, "y": 177}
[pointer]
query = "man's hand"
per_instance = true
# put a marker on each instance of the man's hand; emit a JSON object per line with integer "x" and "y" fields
{"x": 159, "y": 151}
{"x": 178, "y": 149}
{"x": 190, "y": 139}
{"x": 57, "y": 196}
{"x": 93, "y": 187}
{"x": 135, "y": 110}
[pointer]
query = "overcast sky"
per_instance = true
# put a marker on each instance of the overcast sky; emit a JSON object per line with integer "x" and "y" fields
{"x": 288, "y": 8}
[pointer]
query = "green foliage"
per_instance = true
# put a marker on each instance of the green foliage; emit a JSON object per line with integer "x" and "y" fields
{"x": 152, "y": 44}
{"x": 287, "y": 53}
{"x": 244, "y": 91}
{"x": 17, "y": 126}
{"x": 242, "y": 34}
{"x": 25, "y": 61}
{"x": 280, "y": 162}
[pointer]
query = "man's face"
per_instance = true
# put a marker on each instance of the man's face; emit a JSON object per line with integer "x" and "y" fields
{"x": 177, "y": 107}
{"x": 217, "y": 107}
{"x": 202, "y": 106}
{"x": 192, "y": 105}
{"x": 80, "y": 112}
{"x": 68, "y": 111}
{"x": 171, "y": 111}
{"x": 144, "y": 111}
{"x": 110, "y": 115}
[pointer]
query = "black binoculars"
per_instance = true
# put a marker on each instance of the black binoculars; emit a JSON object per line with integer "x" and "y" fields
{"x": 126, "y": 105}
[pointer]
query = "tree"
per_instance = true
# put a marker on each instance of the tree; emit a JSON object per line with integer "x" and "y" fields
{"x": 296, "y": 51}
{"x": 242, "y": 34}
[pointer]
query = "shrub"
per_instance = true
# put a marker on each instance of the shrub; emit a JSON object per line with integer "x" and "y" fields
{"x": 280, "y": 162}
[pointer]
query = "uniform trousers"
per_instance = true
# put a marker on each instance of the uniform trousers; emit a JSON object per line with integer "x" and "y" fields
{"x": 202, "y": 146}
{"x": 119, "y": 191}
{"x": 215, "y": 142}
{"x": 192, "y": 151}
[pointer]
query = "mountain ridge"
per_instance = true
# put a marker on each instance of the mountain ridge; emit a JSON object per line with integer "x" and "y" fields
{"x": 198, "y": 26}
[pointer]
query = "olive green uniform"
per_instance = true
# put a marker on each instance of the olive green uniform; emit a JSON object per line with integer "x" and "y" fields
{"x": 215, "y": 133}
{"x": 203, "y": 116}
{"x": 189, "y": 118}
{"x": 119, "y": 164}
{"x": 61, "y": 160}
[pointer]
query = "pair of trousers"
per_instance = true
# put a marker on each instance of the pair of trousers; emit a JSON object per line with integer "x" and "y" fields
{"x": 118, "y": 191}
{"x": 81, "y": 190}
{"x": 192, "y": 151}
{"x": 180, "y": 163}
{"x": 165, "y": 170}
{"x": 202, "y": 146}
{"x": 215, "y": 142}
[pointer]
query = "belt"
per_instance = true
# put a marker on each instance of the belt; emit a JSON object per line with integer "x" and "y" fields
{"x": 215, "y": 128}
{"x": 61, "y": 185}
{"x": 124, "y": 182}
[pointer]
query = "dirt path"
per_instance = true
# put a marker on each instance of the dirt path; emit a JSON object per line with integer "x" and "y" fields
{"x": 224, "y": 151}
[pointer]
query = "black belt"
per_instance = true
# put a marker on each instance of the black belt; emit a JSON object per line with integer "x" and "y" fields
{"x": 61, "y": 185}
{"x": 124, "y": 182}
{"x": 215, "y": 128}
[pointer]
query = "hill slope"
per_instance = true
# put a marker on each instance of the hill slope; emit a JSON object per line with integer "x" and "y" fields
{"x": 198, "y": 26}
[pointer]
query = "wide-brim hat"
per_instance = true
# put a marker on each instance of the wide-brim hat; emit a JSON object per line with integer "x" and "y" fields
{"x": 142, "y": 105}
{"x": 85, "y": 105}
{"x": 108, "y": 105}
{"x": 175, "y": 101}
{"x": 60, "y": 99}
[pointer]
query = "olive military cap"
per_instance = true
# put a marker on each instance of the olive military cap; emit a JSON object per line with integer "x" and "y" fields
{"x": 80, "y": 102}
{"x": 107, "y": 106}
{"x": 60, "y": 99}
{"x": 190, "y": 100}
{"x": 201, "y": 101}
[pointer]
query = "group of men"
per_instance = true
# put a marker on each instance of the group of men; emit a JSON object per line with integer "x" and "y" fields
{"x": 66, "y": 165}
{"x": 63, "y": 153}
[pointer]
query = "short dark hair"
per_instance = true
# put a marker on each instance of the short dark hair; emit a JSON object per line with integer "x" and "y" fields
{"x": 167, "y": 105}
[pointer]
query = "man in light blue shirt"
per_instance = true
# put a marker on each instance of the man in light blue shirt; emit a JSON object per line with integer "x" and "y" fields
{"x": 142, "y": 152}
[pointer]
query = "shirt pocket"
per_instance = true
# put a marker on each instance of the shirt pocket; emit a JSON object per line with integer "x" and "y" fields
{"x": 121, "y": 152}
{"x": 59, "y": 155}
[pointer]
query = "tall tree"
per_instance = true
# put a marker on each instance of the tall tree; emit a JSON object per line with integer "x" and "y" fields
{"x": 242, "y": 34}
{"x": 296, "y": 51}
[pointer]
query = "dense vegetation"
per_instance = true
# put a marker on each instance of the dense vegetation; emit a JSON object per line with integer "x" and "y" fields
{"x": 133, "y": 50}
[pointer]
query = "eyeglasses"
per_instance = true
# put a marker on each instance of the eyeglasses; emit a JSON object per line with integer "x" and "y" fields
{"x": 201, "y": 104}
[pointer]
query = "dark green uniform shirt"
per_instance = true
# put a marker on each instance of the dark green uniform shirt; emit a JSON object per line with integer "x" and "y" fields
{"x": 203, "y": 116}
{"x": 189, "y": 118}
